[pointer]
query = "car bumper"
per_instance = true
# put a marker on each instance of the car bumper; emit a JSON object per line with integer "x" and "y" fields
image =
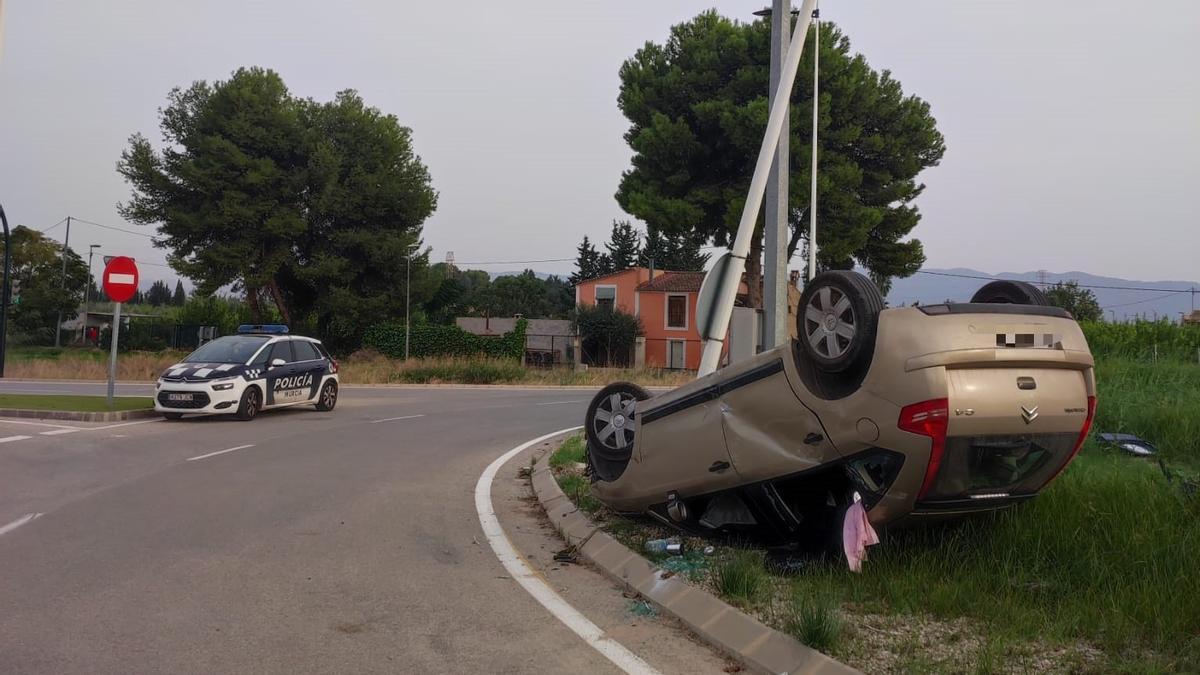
{"x": 204, "y": 399}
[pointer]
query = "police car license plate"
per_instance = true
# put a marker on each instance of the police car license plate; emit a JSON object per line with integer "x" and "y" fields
{"x": 179, "y": 397}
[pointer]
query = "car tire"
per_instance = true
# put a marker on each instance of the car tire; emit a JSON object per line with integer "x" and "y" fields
{"x": 610, "y": 427}
{"x": 1010, "y": 293}
{"x": 173, "y": 416}
{"x": 327, "y": 398}
{"x": 838, "y": 319}
{"x": 250, "y": 404}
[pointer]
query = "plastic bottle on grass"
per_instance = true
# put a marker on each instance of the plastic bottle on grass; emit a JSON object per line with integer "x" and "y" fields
{"x": 671, "y": 546}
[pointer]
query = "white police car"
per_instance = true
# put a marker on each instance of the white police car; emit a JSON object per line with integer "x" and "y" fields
{"x": 260, "y": 368}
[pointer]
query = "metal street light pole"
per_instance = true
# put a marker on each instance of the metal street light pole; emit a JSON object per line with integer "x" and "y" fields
{"x": 63, "y": 285}
{"x": 407, "y": 296}
{"x": 6, "y": 292}
{"x": 812, "y": 206}
{"x": 775, "y": 227}
{"x": 87, "y": 292}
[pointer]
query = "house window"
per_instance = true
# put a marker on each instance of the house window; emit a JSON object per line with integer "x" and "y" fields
{"x": 606, "y": 296}
{"x": 677, "y": 312}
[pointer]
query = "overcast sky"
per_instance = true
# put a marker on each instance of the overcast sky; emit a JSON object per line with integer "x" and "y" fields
{"x": 1072, "y": 127}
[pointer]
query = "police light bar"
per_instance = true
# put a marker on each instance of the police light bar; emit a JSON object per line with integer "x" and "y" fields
{"x": 270, "y": 328}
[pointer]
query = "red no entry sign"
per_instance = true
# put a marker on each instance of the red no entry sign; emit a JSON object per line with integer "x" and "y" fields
{"x": 120, "y": 279}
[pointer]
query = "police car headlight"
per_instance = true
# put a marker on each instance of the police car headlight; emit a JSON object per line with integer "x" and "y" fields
{"x": 223, "y": 386}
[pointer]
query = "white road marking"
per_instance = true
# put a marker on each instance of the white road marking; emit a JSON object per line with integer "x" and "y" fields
{"x": 56, "y": 432}
{"x": 18, "y": 522}
{"x": 393, "y": 419}
{"x": 9, "y": 439}
{"x": 559, "y": 402}
{"x": 520, "y": 570}
{"x": 219, "y": 452}
{"x": 122, "y": 424}
{"x": 41, "y": 424}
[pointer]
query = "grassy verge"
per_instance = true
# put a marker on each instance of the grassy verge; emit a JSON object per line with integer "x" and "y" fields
{"x": 364, "y": 367}
{"x": 73, "y": 403}
{"x": 1101, "y": 573}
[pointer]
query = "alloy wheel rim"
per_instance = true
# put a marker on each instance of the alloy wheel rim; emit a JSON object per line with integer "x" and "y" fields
{"x": 614, "y": 421}
{"x": 829, "y": 322}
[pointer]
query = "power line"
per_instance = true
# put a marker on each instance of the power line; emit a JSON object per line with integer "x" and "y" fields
{"x": 1046, "y": 283}
{"x": 115, "y": 229}
{"x": 52, "y": 226}
{"x": 1138, "y": 302}
{"x": 512, "y": 262}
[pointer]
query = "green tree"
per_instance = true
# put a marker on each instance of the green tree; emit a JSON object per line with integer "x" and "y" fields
{"x": 367, "y": 198}
{"x": 39, "y": 291}
{"x": 315, "y": 206}
{"x": 159, "y": 294}
{"x": 225, "y": 190}
{"x": 1080, "y": 302}
{"x": 623, "y": 246}
{"x": 678, "y": 253}
{"x": 697, "y": 107}
{"x": 180, "y": 295}
{"x": 589, "y": 263}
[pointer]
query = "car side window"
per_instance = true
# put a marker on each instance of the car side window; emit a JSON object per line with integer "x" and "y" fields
{"x": 262, "y": 358}
{"x": 283, "y": 350}
{"x": 305, "y": 351}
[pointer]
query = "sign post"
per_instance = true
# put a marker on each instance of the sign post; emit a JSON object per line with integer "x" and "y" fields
{"x": 120, "y": 283}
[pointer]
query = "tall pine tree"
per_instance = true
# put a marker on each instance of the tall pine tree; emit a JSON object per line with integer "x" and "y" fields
{"x": 180, "y": 296}
{"x": 589, "y": 263}
{"x": 677, "y": 253}
{"x": 623, "y": 246}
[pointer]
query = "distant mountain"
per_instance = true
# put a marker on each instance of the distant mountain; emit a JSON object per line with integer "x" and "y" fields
{"x": 931, "y": 286}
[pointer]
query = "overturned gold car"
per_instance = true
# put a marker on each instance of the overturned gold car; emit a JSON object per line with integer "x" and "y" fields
{"x": 923, "y": 413}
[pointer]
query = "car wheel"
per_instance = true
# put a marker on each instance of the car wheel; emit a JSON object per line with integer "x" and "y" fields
{"x": 327, "y": 399}
{"x": 250, "y": 404}
{"x": 610, "y": 427}
{"x": 1010, "y": 293}
{"x": 173, "y": 416}
{"x": 838, "y": 320}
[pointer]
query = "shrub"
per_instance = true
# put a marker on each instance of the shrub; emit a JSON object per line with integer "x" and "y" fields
{"x": 813, "y": 620}
{"x": 430, "y": 340}
{"x": 1143, "y": 340}
{"x": 607, "y": 335}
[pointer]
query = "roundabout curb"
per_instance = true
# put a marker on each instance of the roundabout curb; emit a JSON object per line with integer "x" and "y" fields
{"x": 757, "y": 647}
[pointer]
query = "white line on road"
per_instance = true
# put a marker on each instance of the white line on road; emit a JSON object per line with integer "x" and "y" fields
{"x": 533, "y": 583}
{"x": 559, "y": 402}
{"x": 122, "y": 424}
{"x": 40, "y": 424}
{"x": 10, "y": 439}
{"x": 219, "y": 452}
{"x": 56, "y": 432}
{"x": 393, "y": 419}
{"x": 18, "y": 522}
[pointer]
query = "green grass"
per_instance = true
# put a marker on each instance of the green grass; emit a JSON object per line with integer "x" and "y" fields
{"x": 73, "y": 403}
{"x": 1158, "y": 401}
{"x": 813, "y": 620}
{"x": 740, "y": 576}
{"x": 570, "y": 452}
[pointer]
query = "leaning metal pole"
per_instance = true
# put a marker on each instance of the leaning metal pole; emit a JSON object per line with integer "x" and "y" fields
{"x": 6, "y": 292}
{"x": 727, "y": 290}
{"x": 812, "y": 206}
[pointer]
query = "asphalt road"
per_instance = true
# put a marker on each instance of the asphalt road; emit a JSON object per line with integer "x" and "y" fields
{"x": 335, "y": 542}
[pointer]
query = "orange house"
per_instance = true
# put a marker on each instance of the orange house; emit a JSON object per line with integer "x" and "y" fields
{"x": 666, "y": 305}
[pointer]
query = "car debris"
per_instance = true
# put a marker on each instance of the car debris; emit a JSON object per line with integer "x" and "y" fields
{"x": 1129, "y": 443}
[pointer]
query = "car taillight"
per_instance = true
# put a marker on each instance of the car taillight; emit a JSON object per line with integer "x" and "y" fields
{"x": 1083, "y": 434}
{"x": 333, "y": 366}
{"x": 929, "y": 418}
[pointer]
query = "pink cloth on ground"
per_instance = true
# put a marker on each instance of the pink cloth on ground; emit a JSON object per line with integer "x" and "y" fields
{"x": 857, "y": 535}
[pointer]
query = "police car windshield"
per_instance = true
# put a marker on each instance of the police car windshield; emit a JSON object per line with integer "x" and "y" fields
{"x": 229, "y": 349}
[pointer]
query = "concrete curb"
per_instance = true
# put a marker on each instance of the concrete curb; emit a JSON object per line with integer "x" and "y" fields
{"x": 754, "y": 645}
{"x": 114, "y": 416}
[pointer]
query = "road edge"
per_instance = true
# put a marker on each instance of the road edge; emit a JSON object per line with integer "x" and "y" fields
{"x": 753, "y": 644}
{"x": 71, "y": 415}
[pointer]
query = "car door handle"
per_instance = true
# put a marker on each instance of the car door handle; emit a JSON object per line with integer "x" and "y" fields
{"x": 718, "y": 467}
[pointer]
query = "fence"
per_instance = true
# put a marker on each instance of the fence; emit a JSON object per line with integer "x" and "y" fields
{"x": 547, "y": 351}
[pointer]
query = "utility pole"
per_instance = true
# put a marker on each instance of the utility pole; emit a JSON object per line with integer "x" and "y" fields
{"x": 812, "y": 205}
{"x": 6, "y": 292}
{"x": 87, "y": 292}
{"x": 407, "y": 295}
{"x": 775, "y": 230}
{"x": 63, "y": 285}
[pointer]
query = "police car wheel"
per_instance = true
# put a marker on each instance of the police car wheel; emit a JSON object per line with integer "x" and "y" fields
{"x": 173, "y": 416}
{"x": 250, "y": 404}
{"x": 327, "y": 399}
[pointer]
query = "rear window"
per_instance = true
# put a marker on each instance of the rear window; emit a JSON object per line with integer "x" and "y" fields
{"x": 305, "y": 351}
